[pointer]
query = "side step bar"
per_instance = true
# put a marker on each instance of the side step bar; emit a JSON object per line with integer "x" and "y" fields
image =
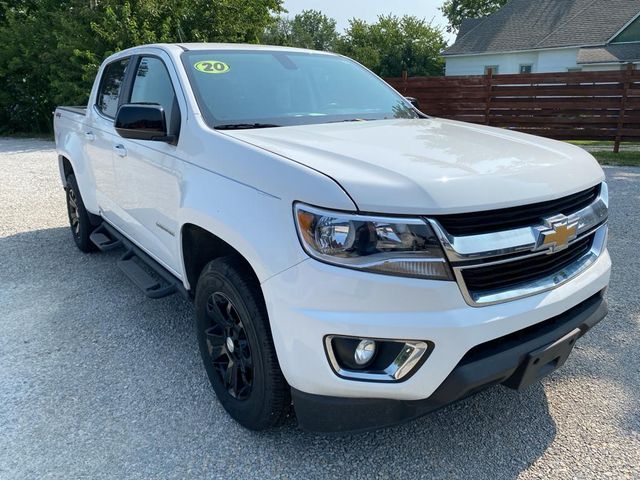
{"x": 147, "y": 274}
{"x": 104, "y": 240}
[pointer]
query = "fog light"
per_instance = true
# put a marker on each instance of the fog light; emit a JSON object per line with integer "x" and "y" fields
{"x": 365, "y": 352}
{"x": 379, "y": 360}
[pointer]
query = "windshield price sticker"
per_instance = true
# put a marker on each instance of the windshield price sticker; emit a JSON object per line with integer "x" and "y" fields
{"x": 212, "y": 66}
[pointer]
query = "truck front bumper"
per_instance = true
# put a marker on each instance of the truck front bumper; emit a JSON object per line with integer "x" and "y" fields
{"x": 312, "y": 300}
{"x": 506, "y": 361}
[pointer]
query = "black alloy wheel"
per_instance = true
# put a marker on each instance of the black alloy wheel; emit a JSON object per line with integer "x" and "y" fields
{"x": 228, "y": 346}
{"x": 236, "y": 345}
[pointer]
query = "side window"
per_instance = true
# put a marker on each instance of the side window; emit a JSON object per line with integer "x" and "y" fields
{"x": 152, "y": 84}
{"x": 111, "y": 86}
{"x": 526, "y": 68}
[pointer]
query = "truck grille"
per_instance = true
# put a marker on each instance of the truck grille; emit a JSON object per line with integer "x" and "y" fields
{"x": 509, "y": 218}
{"x": 501, "y": 255}
{"x": 514, "y": 273}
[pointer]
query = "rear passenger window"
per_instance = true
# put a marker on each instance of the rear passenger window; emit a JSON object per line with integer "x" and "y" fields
{"x": 111, "y": 87}
{"x": 152, "y": 84}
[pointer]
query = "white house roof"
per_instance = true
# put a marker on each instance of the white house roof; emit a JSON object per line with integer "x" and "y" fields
{"x": 532, "y": 25}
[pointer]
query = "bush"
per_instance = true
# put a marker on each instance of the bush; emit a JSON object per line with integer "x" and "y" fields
{"x": 53, "y": 49}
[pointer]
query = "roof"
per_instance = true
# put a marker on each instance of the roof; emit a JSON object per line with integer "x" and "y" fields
{"x": 622, "y": 52}
{"x": 245, "y": 47}
{"x": 469, "y": 24}
{"x": 527, "y": 25}
{"x": 216, "y": 46}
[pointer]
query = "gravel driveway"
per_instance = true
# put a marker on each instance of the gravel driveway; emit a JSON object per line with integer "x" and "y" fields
{"x": 96, "y": 381}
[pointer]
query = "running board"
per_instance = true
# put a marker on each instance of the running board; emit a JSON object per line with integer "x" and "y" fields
{"x": 149, "y": 280}
{"x": 147, "y": 274}
{"x": 104, "y": 240}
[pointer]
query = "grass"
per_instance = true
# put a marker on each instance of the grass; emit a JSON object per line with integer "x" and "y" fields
{"x": 623, "y": 159}
{"x": 600, "y": 143}
{"x": 591, "y": 143}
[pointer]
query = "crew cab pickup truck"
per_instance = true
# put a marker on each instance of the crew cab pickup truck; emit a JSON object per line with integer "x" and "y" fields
{"x": 350, "y": 259}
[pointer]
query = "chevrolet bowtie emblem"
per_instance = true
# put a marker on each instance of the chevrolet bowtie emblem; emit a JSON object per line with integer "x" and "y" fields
{"x": 556, "y": 233}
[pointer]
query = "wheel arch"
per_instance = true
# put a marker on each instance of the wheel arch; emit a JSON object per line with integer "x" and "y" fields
{"x": 66, "y": 168}
{"x": 199, "y": 246}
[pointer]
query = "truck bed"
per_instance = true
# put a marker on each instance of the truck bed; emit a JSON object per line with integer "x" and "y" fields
{"x": 79, "y": 110}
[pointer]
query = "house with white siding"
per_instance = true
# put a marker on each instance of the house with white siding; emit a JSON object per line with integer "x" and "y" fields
{"x": 548, "y": 36}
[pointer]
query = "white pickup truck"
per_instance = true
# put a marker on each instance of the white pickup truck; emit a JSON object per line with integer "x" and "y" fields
{"x": 347, "y": 255}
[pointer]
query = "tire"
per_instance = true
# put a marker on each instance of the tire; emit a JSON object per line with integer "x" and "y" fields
{"x": 79, "y": 218}
{"x": 236, "y": 345}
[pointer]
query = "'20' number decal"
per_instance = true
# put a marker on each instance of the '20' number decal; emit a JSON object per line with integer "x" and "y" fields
{"x": 212, "y": 66}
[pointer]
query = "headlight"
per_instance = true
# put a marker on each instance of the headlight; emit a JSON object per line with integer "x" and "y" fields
{"x": 394, "y": 246}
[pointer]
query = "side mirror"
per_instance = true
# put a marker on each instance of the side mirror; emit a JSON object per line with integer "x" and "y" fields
{"x": 142, "y": 121}
{"x": 413, "y": 101}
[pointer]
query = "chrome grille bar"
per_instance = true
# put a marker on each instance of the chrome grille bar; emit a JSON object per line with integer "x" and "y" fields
{"x": 540, "y": 285}
{"x": 503, "y": 247}
{"x": 473, "y": 247}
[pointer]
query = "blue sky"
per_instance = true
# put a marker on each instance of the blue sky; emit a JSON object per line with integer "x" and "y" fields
{"x": 343, "y": 10}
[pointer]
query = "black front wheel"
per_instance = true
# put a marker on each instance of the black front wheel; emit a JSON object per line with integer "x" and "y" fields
{"x": 236, "y": 345}
{"x": 228, "y": 347}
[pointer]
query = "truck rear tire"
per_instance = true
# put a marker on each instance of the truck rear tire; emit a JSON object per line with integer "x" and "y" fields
{"x": 79, "y": 218}
{"x": 237, "y": 349}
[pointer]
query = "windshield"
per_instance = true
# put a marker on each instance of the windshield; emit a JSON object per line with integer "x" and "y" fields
{"x": 252, "y": 89}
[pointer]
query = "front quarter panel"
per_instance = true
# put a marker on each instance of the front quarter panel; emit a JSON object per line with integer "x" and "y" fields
{"x": 245, "y": 195}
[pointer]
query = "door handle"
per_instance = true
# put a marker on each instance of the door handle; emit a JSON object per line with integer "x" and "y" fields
{"x": 120, "y": 150}
{"x": 90, "y": 136}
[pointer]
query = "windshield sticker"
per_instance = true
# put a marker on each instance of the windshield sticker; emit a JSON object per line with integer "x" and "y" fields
{"x": 212, "y": 66}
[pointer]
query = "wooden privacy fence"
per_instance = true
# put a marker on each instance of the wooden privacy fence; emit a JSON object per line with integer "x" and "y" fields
{"x": 564, "y": 106}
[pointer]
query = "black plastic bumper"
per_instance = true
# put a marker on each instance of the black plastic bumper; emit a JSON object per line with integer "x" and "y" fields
{"x": 513, "y": 360}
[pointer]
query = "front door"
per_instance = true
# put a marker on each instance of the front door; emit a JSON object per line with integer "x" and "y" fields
{"x": 148, "y": 172}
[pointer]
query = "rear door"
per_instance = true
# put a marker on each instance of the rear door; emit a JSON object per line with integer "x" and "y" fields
{"x": 100, "y": 134}
{"x": 149, "y": 172}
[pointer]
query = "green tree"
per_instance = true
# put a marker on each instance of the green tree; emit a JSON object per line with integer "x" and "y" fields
{"x": 38, "y": 66}
{"x": 457, "y": 10}
{"x": 394, "y": 45}
{"x": 278, "y": 32}
{"x": 132, "y": 22}
{"x": 308, "y": 29}
{"x": 13, "y": 5}
{"x": 56, "y": 47}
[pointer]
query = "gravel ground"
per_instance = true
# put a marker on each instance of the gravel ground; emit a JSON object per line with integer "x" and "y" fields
{"x": 96, "y": 381}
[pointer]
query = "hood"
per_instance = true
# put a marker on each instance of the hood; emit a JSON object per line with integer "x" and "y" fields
{"x": 432, "y": 166}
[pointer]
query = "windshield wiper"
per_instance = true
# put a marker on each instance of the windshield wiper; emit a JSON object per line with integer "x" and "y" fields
{"x": 240, "y": 126}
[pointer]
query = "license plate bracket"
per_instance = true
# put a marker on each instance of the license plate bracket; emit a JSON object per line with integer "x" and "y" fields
{"x": 543, "y": 361}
